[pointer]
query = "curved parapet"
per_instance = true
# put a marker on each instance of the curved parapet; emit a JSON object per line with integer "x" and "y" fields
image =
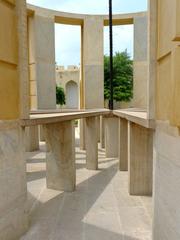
{"x": 78, "y": 19}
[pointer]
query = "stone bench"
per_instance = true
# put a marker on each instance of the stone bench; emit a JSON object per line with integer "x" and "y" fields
{"x": 136, "y": 149}
{"x": 60, "y": 143}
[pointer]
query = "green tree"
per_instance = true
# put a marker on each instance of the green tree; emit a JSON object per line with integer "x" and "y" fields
{"x": 122, "y": 77}
{"x": 60, "y": 95}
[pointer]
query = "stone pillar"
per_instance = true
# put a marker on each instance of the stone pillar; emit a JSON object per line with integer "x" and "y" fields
{"x": 166, "y": 190}
{"x": 60, "y": 156}
{"x": 98, "y": 128}
{"x": 123, "y": 144}
{"x": 111, "y": 137}
{"x": 140, "y": 159}
{"x": 102, "y": 134}
{"x": 41, "y": 134}
{"x": 93, "y": 62}
{"x": 91, "y": 143}
{"x": 82, "y": 135}
{"x": 13, "y": 107}
{"x": 13, "y": 186}
{"x": 42, "y": 64}
{"x": 32, "y": 139}
{"x": 140, "y": 63}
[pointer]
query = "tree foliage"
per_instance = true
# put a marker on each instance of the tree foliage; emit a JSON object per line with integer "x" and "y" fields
{"x": 122, "y": 77}
{"x": 60, "y": 95}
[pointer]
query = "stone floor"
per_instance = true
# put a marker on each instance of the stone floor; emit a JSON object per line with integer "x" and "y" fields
{"x": 99, "y": 209}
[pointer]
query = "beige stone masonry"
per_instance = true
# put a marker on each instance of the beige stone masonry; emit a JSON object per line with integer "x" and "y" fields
{"x": 91, "y": 143}
{"x": 111, "y": 137}
{"x": 60, "y": 156}
{"x": 123, "y": 145}
{"x": 140, "y": 159}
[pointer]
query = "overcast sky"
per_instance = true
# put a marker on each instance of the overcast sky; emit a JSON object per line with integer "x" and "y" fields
{"x": 67, "y": 38}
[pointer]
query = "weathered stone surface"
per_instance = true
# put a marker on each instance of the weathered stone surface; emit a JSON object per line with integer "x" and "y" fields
{"x": 32, "y": 138}
{"x": 60, "y": 156}
{"x": 123, "y": 145}
{"x": 102, "y": 132}
{"x": 111, "y": 137}
{"x": 166, "y": 183}
{"x": 91, "y": 143}
{"x": 13, "y": 193}
{"x": 140, "y": 159}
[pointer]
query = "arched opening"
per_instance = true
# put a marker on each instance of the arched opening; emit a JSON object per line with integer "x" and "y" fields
{"x": 72, "y": 98}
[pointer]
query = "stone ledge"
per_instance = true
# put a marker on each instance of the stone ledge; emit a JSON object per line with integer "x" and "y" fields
{"x": 47, "y": 118}
{"x": 138, "y": 116}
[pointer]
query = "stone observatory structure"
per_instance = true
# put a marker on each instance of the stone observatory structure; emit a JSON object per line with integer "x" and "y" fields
{"x": 69, "y": 80}
{"x": 144, "y": 140}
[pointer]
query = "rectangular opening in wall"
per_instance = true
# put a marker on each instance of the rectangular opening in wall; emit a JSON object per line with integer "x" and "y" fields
{"x": 68, "y": 58}
{"x": 123, "y": 53}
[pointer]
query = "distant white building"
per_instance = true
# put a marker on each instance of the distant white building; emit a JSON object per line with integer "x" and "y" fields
{"x": 69, "y": 79}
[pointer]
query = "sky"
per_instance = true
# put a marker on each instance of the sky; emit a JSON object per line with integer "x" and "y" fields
{"x": 68, "y": 51}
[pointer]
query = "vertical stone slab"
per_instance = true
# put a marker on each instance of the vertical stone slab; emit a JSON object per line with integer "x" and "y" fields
{"x": 140, "y": 159}
{"x": 123, "y": 144}
{"x": 93, "y": 62}
{"x": 166, "y": 191}
{"x": 91, "y": 143}
{"x": 98, "y": 128}
{"x": 140, "y": 63}
{"x": 82, "y": 135}
{"x": 13, "y": 107}
{"x": 102, "y": 132}
{"x": 111, "y": 137}
{"x": 60, "y": 156}
{"x": 42, "y": 60}
{"x": 152, "y": 57}
{"x": 32, "y": 139}
{"x": 13, "y": 186}
{"x": 42, "y": 65}
{"x": 41, "y": 134}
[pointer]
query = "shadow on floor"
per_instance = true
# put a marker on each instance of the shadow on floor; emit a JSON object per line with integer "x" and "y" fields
{"x": 63, "y": 216}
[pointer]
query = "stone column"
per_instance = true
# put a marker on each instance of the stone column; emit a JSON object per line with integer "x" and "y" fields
{"x": 123, "y": 144}
{"x": 140, "y": 63}
{"x": 60, "y": 156}
{"x": 41, "y": 134}
{"x": 91, "y": 143}
{"x": 82, "y": 135}
{"x": 32, "y": 139}
{"x": 42, "y": 64}
{"x": 102, "y": 134}
{"x": 98, "y": 128}
{"x": 13, "y": 107}
{"x": 93, "y": 62}
{"x": 140, "y": 159}
{"x": 111, "y": 137}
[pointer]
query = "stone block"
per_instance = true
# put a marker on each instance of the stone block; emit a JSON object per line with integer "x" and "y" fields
{"x": 60, "y": 156}
{"x": 123, "y": 144}
{"x": 91, "y": 143}
{"x": 140, "y": 159}
{"x": 111, "y": 137}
